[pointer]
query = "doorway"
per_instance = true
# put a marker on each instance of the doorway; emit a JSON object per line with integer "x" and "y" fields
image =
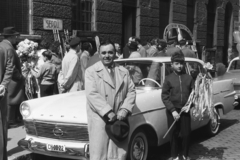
{"x": 164, "y": 9}
{"x": 211, "y": 13}
{"x": 129, "y": 9}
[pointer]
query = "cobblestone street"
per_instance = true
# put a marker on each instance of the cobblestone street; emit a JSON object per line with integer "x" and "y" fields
{"x": 225, "y": 145}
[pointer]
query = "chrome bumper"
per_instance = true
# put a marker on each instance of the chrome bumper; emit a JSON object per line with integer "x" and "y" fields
{"x": 40, "y": 148}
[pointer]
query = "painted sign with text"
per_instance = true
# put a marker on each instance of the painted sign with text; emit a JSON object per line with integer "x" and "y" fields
{"x": 51, "y": 24}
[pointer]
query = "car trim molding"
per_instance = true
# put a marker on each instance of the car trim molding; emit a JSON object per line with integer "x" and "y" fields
{"x": 151, "y": 110}
{"x": 230, "y": 94}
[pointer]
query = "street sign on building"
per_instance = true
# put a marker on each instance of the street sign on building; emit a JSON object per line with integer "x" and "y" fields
{"x": 52, "y": 24}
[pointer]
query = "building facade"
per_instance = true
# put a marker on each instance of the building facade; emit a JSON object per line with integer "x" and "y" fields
{"x": 210, "y": 21}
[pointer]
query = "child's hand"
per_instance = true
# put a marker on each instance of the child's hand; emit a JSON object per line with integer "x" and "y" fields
{"x": 2, "y": 90}
{"x": 61, "y": 88}
{"x": 175, "y": 114}
{"x": 184, "y": 109}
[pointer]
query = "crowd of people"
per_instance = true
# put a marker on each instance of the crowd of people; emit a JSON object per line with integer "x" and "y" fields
{"x": 69, "y": 72}
{"x": 77, "y": 70}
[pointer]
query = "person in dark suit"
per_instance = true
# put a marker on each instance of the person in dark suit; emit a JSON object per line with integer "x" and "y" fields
{"x": 6, "y": 72}
{"x": 16, "y": 91}
{"x": 186, "y": 51}
{"x": 171, "y": 46}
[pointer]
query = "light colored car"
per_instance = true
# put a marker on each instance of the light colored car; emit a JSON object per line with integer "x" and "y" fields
{"x": 233, "y": 70}
{"x": 57, "y": 125}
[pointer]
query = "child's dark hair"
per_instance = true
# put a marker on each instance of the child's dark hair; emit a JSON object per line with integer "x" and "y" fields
{"x": 178, "y": 56}
{"x": 47, "y": 54}
{"x": 86, "y": 46}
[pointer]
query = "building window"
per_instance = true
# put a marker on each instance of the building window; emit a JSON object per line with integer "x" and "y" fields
{"x": 15, "y": 13}
{"x": 82, "y": 14}
{"x": 164, "y": 9}
{"x": 190, "y": 14}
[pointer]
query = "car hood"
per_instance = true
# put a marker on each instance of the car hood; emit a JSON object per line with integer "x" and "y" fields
{"x": 65, "y": 108}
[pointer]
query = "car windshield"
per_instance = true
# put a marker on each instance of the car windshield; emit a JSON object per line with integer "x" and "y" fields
{"x": 145, "y": 74}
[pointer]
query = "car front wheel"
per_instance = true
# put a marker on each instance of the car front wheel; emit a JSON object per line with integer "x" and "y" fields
{"x": 213, "y": 125}
{"x": 138, "y": 146}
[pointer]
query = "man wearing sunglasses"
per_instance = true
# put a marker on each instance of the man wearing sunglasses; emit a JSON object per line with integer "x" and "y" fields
{"x": 110, "y": 96}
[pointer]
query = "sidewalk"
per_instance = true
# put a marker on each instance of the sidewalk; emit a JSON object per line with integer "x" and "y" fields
{"x": 14, "y": 135}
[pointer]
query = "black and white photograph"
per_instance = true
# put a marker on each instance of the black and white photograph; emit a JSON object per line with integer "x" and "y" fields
{"x": 119, "y": 79}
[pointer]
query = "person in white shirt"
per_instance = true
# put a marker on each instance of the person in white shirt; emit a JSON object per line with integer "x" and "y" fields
{"x": 71, "y": 69}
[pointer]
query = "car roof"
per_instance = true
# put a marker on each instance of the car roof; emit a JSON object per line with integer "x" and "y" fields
{"x": 158, "y": 59}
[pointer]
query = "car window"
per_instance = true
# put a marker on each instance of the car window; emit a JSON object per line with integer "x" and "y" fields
{"x": 144, "y": 74}
{"x": 194, "y": 69}
{"x": 235, "y": 65}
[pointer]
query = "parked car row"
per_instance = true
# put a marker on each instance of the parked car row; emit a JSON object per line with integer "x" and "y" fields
{"x": 57, "y": 125}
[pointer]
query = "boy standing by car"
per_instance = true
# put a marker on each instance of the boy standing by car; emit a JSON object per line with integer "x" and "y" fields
{"x": 175, "y": 92}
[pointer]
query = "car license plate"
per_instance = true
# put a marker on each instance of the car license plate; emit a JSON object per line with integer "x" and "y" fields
{"x": 57, "y": 148}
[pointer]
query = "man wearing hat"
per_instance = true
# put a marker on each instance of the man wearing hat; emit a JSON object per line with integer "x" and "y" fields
{"x": 16, "y": 89}
{"x": 110, "y": 96}
{"x": 71, "y": 68}
{"x": 186, "y": 51}
{"x": 171, "y": 46}
{"x": 7, "y": 68}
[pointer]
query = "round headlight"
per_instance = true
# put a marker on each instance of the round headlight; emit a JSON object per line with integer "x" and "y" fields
{"x": 25, "y": 110}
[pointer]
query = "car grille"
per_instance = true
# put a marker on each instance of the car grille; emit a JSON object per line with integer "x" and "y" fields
{"x": 45, "y": 129}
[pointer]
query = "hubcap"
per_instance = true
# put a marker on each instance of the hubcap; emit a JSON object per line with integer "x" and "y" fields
{"x": 138, "y": 148}
{"x": 214, "y": 122}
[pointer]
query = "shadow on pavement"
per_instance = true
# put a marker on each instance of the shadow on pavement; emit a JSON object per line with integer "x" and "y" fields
{"x": 197, "y": 136}
{"x": 226, "y": 123}
{"x": 203, "y": 136}
{"x": 9, "y": 139}
{"x": 159, "y": 153}
{"x": 14, "y": 150}
{"x": 237, "y": 107}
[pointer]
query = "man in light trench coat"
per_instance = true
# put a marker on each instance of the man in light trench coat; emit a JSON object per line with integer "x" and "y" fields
{"x": 110, "y": 95}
